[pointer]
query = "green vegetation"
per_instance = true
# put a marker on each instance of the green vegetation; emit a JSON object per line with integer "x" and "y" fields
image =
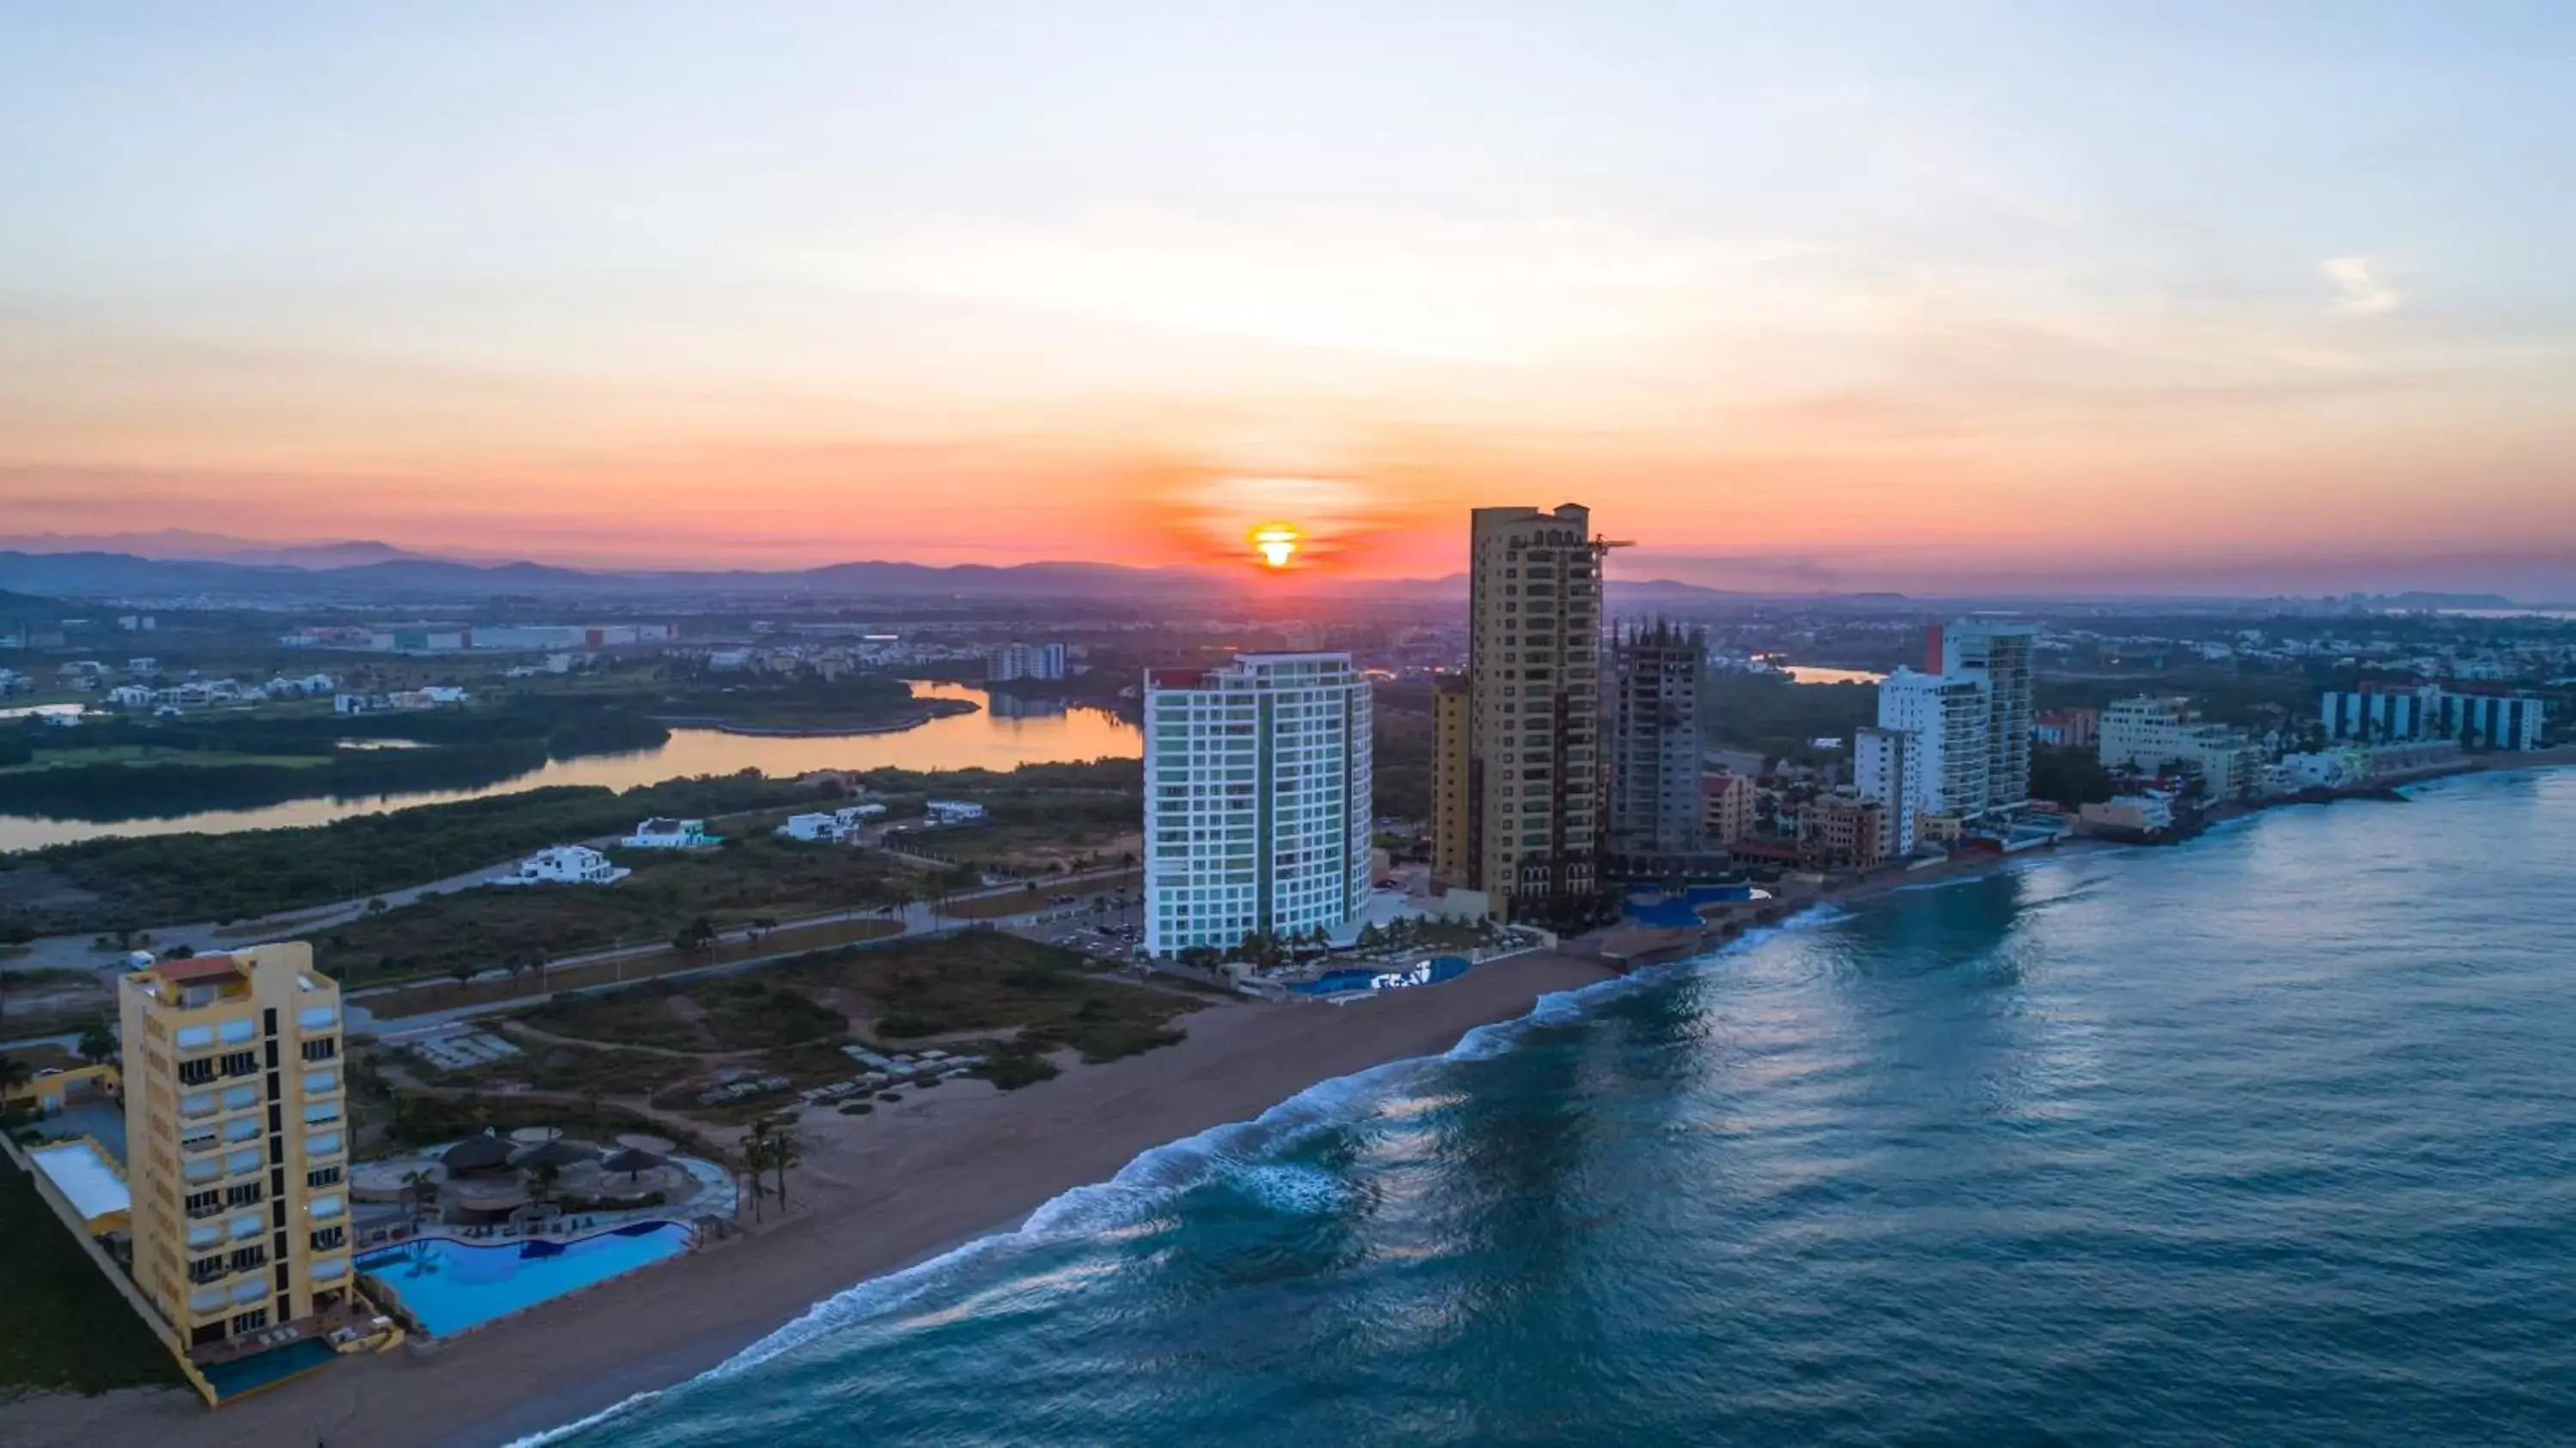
{"x": 1769, "y": 713}
{"x": 63, "y": 1328}
{"x": 989, "y": 981}
{"x": 555, "y": 1066}
{"x": 1400, "y": 752}
{"x": 729, "y": 1013}
{"x": 765, "y": 701}
{"x": 420, "y": 1119}
{"x": 1038, "y": 831}
{"x": 751, "y": 879}
{"x": 2069, "y": 777}
{"x": 124, "y": 883}
{"x": 134, "y": 768}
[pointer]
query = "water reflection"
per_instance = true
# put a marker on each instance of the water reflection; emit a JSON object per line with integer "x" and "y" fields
{"x": 988, "y": 739}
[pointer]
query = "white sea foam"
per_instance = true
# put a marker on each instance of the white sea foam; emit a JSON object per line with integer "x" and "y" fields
{"x": 1244, "y": 1151}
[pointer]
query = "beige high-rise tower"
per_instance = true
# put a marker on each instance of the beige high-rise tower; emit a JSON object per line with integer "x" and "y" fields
{"x": 1520, "y": 764}
{"x": 236, "y": 1141}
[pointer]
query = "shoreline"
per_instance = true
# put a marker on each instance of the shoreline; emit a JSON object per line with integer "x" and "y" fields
{"x": 880, "y": 1196}
{"x": 877, "y": 1195}
{"x": 931, "y": 713}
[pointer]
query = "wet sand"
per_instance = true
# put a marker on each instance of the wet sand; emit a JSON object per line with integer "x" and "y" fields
{"x": 876, "y": 1194}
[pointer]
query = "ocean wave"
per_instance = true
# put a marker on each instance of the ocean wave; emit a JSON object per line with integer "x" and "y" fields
{"x": 1241, "y": 1151}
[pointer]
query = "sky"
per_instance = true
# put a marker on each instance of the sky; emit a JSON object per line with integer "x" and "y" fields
{"x": 2133, "y": 297}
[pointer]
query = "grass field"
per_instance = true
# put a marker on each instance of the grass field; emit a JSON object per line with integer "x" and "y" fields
{"x": 988, "y": 981}
{"x": 447, "y": 995}
{"x": 759, "y": 878}
{"x": 1023, "y": 997}
{"x": 62, "y": 1327}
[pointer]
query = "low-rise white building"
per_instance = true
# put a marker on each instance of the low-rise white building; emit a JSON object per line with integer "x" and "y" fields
{"x": 2148, "y": 733}
{"x": 565, "y": 865}
{"x": 836, "y": 827}
{"x": 670, "y": 834}
{"x": 953, "y": 811}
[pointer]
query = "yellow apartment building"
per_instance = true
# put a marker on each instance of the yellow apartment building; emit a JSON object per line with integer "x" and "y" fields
{"x": 237, "y": 1136}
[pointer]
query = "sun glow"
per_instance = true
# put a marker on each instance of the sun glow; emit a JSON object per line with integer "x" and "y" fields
{"x": 1276, "y": 543}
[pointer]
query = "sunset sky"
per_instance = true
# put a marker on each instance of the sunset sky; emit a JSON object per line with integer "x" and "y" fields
{"x": 1836, "y": 296}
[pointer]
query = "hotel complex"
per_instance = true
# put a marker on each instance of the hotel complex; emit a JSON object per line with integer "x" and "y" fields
{"x": 236, "y": 1134}
{"x": 1518, "y": 757}
{"x": 1257, "y": 800}
{"x": 2479, "y": 717}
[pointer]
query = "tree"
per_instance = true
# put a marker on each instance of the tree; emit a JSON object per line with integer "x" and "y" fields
{"x": 463, "y": 972}
{"x": 696, "y": 936}
{"x": 420, "y": 1188}
{"x": 543, "y": 1180}
{"x": 97, "y": 1042}
{"x": 784, "y": 1152}
{"x": 376, "y": 905}
{"x": 755, "y": 1159}
{"x": 14, "y": 1073}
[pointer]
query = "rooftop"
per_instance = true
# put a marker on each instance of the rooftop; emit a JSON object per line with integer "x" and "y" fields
{"x": 198, "y": 968}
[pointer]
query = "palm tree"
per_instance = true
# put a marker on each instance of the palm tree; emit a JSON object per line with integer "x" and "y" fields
{"x": 420, "y": 1187}
{"x": 97, "y": 1043}
{"x": 784, "y": 1152}
{"x": 756, "y": 1147}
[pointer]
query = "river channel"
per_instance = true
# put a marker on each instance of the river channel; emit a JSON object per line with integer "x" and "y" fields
{"x": 985, "y": 739}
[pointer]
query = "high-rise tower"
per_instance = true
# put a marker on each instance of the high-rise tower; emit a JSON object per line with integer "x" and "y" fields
{"x": 1997, "y": 657}
{"x": 1530, "y": 790}
{"x": 1257, "y": 799}
{"x": 1655, "y": 804}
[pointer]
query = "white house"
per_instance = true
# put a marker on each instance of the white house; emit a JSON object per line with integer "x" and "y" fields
{"x": 840, "y": 824}
{"x": 565, "y": 865}
{"x": 953, "y": 811}
{"x": 814, "y": 828}
{"x": 129, "y": 696}
{"x": 670, "y": 834}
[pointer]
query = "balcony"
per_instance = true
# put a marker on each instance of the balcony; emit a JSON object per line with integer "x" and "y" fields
{"x": 208, "y": 1269}
{"x": 204, "y": 1204}
{"x": 196, "y": 1073}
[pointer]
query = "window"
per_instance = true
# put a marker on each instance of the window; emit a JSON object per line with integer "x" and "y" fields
{"x": 328, "y": 1176}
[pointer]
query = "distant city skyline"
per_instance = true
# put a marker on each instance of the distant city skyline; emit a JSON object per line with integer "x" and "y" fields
{"x": 1980, "y": 298}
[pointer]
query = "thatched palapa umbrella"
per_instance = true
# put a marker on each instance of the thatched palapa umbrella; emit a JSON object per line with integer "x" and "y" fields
{"x": 633, "y": 1162}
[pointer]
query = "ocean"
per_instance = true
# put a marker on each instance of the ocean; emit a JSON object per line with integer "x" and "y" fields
{"x": 2267, "y": 1138}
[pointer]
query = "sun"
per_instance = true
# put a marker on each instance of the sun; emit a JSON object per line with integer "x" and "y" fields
{"x": 1276, "y": 543}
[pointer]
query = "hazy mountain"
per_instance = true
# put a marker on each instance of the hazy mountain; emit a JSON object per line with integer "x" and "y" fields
{"x": 190, "y": 545}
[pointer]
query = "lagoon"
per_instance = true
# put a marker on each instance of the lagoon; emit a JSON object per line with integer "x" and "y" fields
{"x": 984, "y": 739}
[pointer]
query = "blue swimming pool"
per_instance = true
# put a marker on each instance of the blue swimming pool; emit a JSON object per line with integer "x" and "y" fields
{"x": 1387, "y": 977}
{"x": 452, "y": 1287}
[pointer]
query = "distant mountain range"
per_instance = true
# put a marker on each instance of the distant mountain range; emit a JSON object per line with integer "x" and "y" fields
{"x": 179, "y": 562}
{"x": 376, "y": 572}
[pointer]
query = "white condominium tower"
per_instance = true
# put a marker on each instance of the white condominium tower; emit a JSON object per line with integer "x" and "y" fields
{"x": 1996, "y": 656}
{"x": 1929, "y": 754}
{"x": 1257, "y": 799}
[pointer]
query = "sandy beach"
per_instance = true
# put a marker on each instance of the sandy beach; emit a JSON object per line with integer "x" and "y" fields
{"x": 875, "y": 1194}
